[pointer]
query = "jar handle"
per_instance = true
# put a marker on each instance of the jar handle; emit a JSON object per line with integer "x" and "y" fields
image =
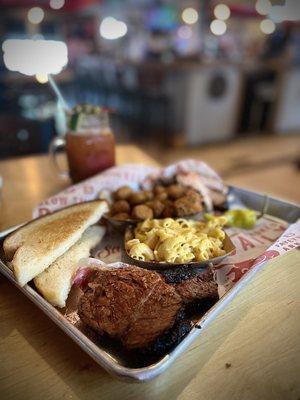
{"x": 56, "y": 144}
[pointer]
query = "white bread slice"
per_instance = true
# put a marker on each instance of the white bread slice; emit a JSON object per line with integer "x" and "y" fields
{"x": 18, "y": 237}
{"x": 42, "y": 241}
{"x": 55, "y": 282}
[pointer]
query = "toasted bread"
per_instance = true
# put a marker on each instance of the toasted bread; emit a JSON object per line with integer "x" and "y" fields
{"x": 18, "y": 237}
{"x": 39, "y": 243}
{"x": 56, "y": 281}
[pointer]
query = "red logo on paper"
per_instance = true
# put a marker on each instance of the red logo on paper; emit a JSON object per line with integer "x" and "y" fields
{"x": 43, "y": 211}
{"x": 239, "y": 269}
{"x": 268, "y": 255}
{"x": 107, "y": 251}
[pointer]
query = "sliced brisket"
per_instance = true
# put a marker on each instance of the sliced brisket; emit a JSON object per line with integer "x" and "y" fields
{"x": 198, "y": 287}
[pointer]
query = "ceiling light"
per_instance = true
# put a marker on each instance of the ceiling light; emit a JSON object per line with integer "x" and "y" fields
{"x": 222, "y": 11}
{"x": 218, "y": 27}
{"x": 35, "y": 15}
{"x": 57, "y": 4}
{"x": 267, "y": 26}
{"x": 111, "y": 28}
{"x": 41, "y": 78}
{"x": 263, "y": 7}
{"x": 190, "y": 15}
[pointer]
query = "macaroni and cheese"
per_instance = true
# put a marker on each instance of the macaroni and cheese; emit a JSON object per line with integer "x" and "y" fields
{"x": 177, "y": 241}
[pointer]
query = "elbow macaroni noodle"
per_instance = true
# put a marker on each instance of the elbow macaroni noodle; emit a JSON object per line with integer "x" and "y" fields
{"x": 177, "y": 241}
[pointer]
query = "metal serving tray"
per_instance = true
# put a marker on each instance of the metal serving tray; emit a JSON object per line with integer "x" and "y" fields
{"x": 113, "y": 359}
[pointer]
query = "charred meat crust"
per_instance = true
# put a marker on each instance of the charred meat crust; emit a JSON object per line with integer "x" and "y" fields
{"x": 182, "y": 273}
{"x": 142, "y": 309}
{"x": 169, "y": 339}
{"x": 129, "y": 304}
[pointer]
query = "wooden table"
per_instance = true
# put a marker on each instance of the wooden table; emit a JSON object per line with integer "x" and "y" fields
{"x": 267, "y": 164}
{"x": 251, "y": 351}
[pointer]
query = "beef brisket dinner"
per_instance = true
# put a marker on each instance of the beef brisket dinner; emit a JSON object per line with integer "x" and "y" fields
{"x": 137, "y": 306}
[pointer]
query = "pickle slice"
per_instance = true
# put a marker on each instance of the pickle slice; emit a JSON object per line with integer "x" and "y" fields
{"x": 75, "y": 121}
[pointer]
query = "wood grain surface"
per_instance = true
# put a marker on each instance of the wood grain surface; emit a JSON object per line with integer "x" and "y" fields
{"x": 250, "y": 351}
{"x": 267, "y": 164}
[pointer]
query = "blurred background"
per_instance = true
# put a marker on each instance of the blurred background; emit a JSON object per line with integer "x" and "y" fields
{"x": 211, "y": 79}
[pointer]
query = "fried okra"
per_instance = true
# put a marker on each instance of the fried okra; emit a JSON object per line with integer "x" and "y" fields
{"x": 157, "y": 206}
{"x": 123, "y": 193}
{"x": 170, "y": 200}
{"x": 137, "y": 198}
{"x": 175, "y": 191}
{"x": 121, "y": 216}
{"x": 159, "y": 189}
{"x": 142, "y": 212}
{"x": 120, "y": 206}
{"x": 187, "y": 206}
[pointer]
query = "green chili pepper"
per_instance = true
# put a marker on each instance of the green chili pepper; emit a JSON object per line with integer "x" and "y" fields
{"x": 243, "y": 218}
